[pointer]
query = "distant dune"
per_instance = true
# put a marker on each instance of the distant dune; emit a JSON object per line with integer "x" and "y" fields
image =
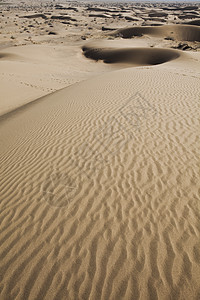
{"x": 179, "y": 32}
{"x": 194, "y": 22}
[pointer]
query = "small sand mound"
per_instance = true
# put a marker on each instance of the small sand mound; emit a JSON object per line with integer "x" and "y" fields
{"x": 129, "y": 18}
{"x": 66, "y": 8}
{"x": 136, "y": 56}
{"x": 188, "y": 16}
{"x": 194, "y": 7}
{"x": 100, "y": 15}
{"x": 100, "y": 9}
{"x": 62, "y": 18}
{"x": 179, "y": 32}
{"x": 104, "y": 28}
{"x": 34, "y": 16}
{"x": 158, "y": 14}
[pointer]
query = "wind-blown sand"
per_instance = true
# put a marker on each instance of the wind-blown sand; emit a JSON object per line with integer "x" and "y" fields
{"x": 100, "y": 179}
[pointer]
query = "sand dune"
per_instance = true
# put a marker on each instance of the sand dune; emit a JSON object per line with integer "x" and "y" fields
{"x": 4, "y": 55}
{"x": 191, "y": 7}
{"x": 129, "y": 214}
{"x": 100, "y": 15}
{"x": 62, "y": 18}
{"x": 179, "y": 32}
{"x": 158, "y": 14}
{"x": 188, "y": 16}
{"x": 34, "y": 16}
{"x": 99, "y": 182}
{"x": 137, "y": 56}
{"x": 61, "y": 7}
{"x": 194, "y": 22}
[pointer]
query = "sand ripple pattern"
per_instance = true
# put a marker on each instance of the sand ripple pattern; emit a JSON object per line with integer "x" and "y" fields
{"x": 126, "y": 225}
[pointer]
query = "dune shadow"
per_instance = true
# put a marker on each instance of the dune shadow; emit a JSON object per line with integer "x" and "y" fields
{"x": 133, "y": 56}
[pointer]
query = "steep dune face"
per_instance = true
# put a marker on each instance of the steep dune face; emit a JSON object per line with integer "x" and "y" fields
{"x": 135, "y": 56}
{"x": 179, "y": 32}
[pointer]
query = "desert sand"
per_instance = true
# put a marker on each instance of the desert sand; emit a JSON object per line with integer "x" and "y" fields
{"x": 99, "y": 155}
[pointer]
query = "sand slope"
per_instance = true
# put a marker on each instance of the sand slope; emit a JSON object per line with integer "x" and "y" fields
{"x": 99, "y": 189}
{"x": 32, "y": 71}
